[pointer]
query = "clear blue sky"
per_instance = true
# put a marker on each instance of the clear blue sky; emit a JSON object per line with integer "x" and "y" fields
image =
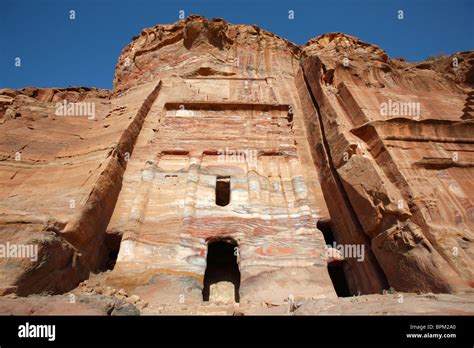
{"x": 58, "y": 52}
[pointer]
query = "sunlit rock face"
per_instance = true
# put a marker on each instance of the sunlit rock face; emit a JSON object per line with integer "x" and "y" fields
{"x": 226, "y": 121}
{"x": 222, "y": 154}
{"x": 398, "y": 150}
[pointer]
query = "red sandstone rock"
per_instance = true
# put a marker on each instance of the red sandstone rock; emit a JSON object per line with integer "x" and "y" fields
{"x": 406, "y": 178}
{"x": 298, "y": 135}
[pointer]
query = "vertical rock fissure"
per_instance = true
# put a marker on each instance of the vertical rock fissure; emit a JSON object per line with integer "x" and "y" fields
{"x": 335, "y": 174}
{"x": 327, "y": 153}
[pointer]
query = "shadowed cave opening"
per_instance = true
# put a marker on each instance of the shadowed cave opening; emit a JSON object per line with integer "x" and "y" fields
{"x": 338, "y": 278}
{"x": 221, "y": 266}
{"x": 336, "y": 268}
{"x": 112, "y": 246}
{"x": 222, "y": 190}
{"x": 324, "y": 225}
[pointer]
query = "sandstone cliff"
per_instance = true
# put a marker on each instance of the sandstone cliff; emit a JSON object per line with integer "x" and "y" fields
{"x": 403, "y": 176}
{"x": 330, "y": 140}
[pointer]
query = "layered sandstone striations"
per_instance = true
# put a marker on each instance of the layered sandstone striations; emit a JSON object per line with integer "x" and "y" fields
{"x": 229, "y": 137}
{"x": 228, "y": 108}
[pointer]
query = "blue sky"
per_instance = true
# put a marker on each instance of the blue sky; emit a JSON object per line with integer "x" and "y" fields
{"x": 58, "y": 52}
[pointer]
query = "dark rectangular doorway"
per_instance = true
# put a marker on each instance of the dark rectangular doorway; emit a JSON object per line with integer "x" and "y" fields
{"x": 221, "y": 266}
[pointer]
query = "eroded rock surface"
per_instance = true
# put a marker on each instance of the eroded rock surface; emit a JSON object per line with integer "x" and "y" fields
{"x": 395, "y": 140}
{"x": 222, "y": 133}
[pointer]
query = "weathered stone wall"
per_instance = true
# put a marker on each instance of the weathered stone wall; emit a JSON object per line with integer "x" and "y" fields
{"x": 406, "y": 173}
{"x": 232, "y": 91}
{"x": 139, "y": 178}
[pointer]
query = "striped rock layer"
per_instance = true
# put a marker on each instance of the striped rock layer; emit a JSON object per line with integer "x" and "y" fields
{"x": 219, "y": 133}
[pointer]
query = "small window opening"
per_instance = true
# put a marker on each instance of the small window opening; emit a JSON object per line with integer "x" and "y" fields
{"x": 223, "y": 190}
